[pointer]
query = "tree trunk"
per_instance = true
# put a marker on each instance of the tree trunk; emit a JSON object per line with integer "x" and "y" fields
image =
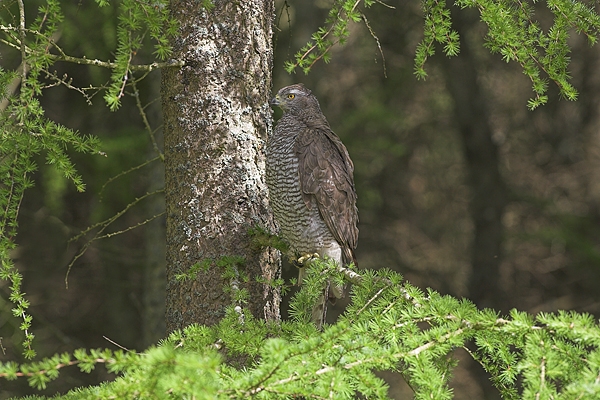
{"x": 154, "y": 277}
{"x": 489, "y": 195}
{"x": 216, "y": 122}
{"x": 488, "y": 189}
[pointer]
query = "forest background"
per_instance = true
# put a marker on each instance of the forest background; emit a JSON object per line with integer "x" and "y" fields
{"x": 435, "y": 202}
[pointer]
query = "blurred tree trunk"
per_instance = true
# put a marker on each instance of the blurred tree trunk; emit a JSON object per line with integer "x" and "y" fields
{"x": 216, "y": 120}
{"x": 488, "y": 190}
{"x": 153, "y": 294}
{"x": 153, "y": 300}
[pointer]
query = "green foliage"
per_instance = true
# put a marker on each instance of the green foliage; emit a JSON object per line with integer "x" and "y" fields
{"x": 335, "y": 31}
{"x": 25, "y": 131}
{"x": 437, "y": 29}
{"x": 261, "y": 238}
{"x": 513, "y": 32}
{"x": 389, "y": 325}
{"x": 136, "y": 20}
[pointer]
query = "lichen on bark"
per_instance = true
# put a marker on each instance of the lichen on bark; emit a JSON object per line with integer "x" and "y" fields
{"x": 216, "y": 121}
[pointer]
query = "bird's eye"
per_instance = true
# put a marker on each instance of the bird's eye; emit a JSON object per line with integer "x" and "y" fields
{"x": 291, "y": 96}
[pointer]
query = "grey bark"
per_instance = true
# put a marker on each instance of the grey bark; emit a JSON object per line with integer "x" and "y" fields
{"x": 216, "y": 122}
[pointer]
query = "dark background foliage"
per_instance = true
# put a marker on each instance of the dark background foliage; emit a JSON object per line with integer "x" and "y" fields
{"x": 437, "y": 202}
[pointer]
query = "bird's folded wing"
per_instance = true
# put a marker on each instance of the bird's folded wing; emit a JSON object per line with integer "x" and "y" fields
{"x": 326, "y": 175}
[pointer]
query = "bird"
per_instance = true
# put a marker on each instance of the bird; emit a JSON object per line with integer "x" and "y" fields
{"x": 310, "y": 178}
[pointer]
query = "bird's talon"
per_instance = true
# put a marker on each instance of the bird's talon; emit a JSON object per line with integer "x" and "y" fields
{"x": 306, "y": 258}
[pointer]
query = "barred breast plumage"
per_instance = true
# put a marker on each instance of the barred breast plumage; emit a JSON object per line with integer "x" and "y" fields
{"x": 300, "y": 225}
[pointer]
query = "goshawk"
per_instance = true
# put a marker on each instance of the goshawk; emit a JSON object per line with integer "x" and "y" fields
{"x": 311, "y": 185}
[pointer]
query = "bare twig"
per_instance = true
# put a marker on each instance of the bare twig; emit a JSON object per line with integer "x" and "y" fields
{"x": 67, "y": 82}
{"x": 111, "y": 234}
{"x": 374, "y": 36}
{"x": 22, "y": 39}
{"x": 138, "y": 103}
{"x": 103, "y": 225}
{"x": 118, "y": 345}
{"x": 385, "y": 4}
{"x": 122, "y": 173}
{"x": 110, "y": 65}
{"x": 19, "y": 44}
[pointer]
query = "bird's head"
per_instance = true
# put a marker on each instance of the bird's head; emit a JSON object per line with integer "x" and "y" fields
{"x": 295, "y": 99}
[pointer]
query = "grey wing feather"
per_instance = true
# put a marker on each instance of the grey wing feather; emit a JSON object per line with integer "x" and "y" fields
{"x": 326, "y": 172}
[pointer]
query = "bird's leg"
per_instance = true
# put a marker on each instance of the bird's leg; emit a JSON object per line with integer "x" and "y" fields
{"x": 301, "y": 263}
{"x": 319, "y": 310}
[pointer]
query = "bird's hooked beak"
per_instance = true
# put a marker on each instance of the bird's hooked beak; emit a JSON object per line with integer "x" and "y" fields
{"x": 275, "y": 101}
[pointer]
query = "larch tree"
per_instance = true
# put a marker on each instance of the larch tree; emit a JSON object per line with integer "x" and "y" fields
{"x": 216, "y": 121}
{"x": 222, "y": 289}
